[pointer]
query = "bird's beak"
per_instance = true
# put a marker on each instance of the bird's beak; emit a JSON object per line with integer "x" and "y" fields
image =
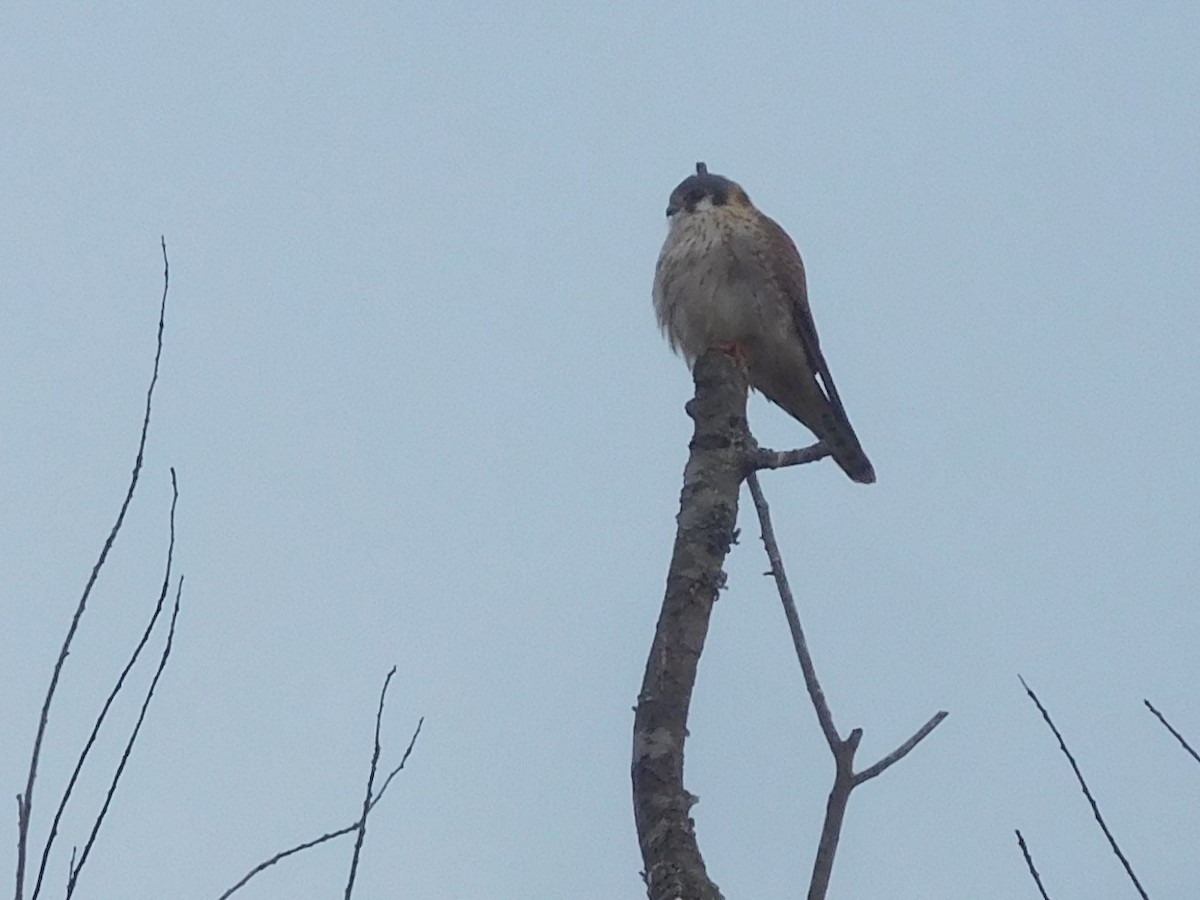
{"x": 671, "y": 210}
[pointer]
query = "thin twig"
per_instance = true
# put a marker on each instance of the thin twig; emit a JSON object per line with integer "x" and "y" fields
{"x": 811, "y": 682}
{"x": 25, "y": 800}
{"x": 778, "y": 459}
{"x": 366, "y": 808}
{"x": 412, "y": 742}
{"x": 1179, "y": 737}
{"x": 1086, "y": 792}
{"x": 330, "y": 835}
{"x": 137, "y": 651}
{"x": 284, "y": 854}
{"x": 137, "y": 727}
{"x": 902, "y": 751}
{"x": 1037, "y": 879}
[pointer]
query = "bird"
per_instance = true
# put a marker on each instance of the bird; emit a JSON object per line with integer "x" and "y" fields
{"x": 730, "y": 277}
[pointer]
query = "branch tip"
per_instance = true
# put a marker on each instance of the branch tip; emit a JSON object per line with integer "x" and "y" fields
{"x": 1037, "y": 879}
{"x": 1179, "y": 737}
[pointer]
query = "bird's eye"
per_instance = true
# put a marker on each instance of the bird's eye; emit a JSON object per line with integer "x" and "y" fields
{"x": 694, "y": 196}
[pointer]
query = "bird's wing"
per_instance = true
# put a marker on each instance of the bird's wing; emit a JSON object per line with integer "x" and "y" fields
{"x": 788, "y": 270}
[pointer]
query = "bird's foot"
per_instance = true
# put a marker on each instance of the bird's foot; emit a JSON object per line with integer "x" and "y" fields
{"x": 735, "y": 350}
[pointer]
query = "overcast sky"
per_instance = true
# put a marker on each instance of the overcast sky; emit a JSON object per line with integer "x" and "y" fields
{"x": 421, "y": 415}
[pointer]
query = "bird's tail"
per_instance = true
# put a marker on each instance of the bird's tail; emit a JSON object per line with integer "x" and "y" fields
{"x": 823, "y": 414}
{"x": 838, "y": 435}
{"x": 812, "y": 408}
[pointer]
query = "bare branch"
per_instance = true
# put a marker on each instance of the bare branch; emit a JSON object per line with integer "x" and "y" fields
{"x": 707, "y": 517}
{"x": 25, "y": 809}
{"x": 284, "y": 854}
{"x": 1037, "y": 879}
{"x": 835, "y": 815}
{"x": 137, "y": 651}
{"x": 112, "y": 787}
{"x": 902, "y": 751}
{"x": 722, "y": 453}
{"x": 329, "y": 835}
{"x": 412, "y": 742}
{"x": 1086, "y": 792}
{"x": 843, "y": 750}
{"x": 778, "y": 459}
{"x": 366, "y": 809}
{"x": 811, "y": 682}
{"x": 1179, "y": 737}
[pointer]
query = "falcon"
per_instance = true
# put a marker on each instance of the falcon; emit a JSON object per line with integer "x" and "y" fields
{"x": 729, "y": 277}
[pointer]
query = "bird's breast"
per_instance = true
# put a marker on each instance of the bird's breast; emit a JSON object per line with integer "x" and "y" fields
{"x": 711, "y": 287}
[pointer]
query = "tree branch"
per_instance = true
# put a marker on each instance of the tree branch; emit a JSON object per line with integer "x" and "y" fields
{"x": 705, "y": 530}
{"x": 25, "y": 800}
{"x": 1086, "y": 792}
{"x": 902, "y": 751}
{"x": 778, "y": 459}
{"x": 137, "y": 727}
{"x": 1167, "y": 725}
{"x": 366, "y": 807}
{"x": 1037, "y": 879}
{"x": 845, "y": 779}
{"x": 112, "y": 696}
{"x": 799, "y": 642}
{"x": 330, "y": 835}
{"x": 722, "y": 453}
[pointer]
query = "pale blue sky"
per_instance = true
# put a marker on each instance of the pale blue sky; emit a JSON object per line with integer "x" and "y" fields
{"x": 421, "y": 414}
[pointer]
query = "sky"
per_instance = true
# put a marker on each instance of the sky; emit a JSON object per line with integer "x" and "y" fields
{"x": 421, "y": 415}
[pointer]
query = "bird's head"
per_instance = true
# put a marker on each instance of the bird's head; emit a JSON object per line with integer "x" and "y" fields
{"x": 704, "y": 191}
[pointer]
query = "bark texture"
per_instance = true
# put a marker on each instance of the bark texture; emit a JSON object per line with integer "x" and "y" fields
{"x": 720, "y": 449}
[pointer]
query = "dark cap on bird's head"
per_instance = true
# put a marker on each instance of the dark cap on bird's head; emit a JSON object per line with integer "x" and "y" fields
{"x": 701, "y": 186}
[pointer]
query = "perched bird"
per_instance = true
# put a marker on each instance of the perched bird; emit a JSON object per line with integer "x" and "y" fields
{"x": 730, "y": 277}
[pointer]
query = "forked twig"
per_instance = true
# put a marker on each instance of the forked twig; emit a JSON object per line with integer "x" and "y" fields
{"x": 845, "y": 779}
{"x": 1086, "y": 791}
{"x": 347, "y": 829}
{"x": 25, "y": 800}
